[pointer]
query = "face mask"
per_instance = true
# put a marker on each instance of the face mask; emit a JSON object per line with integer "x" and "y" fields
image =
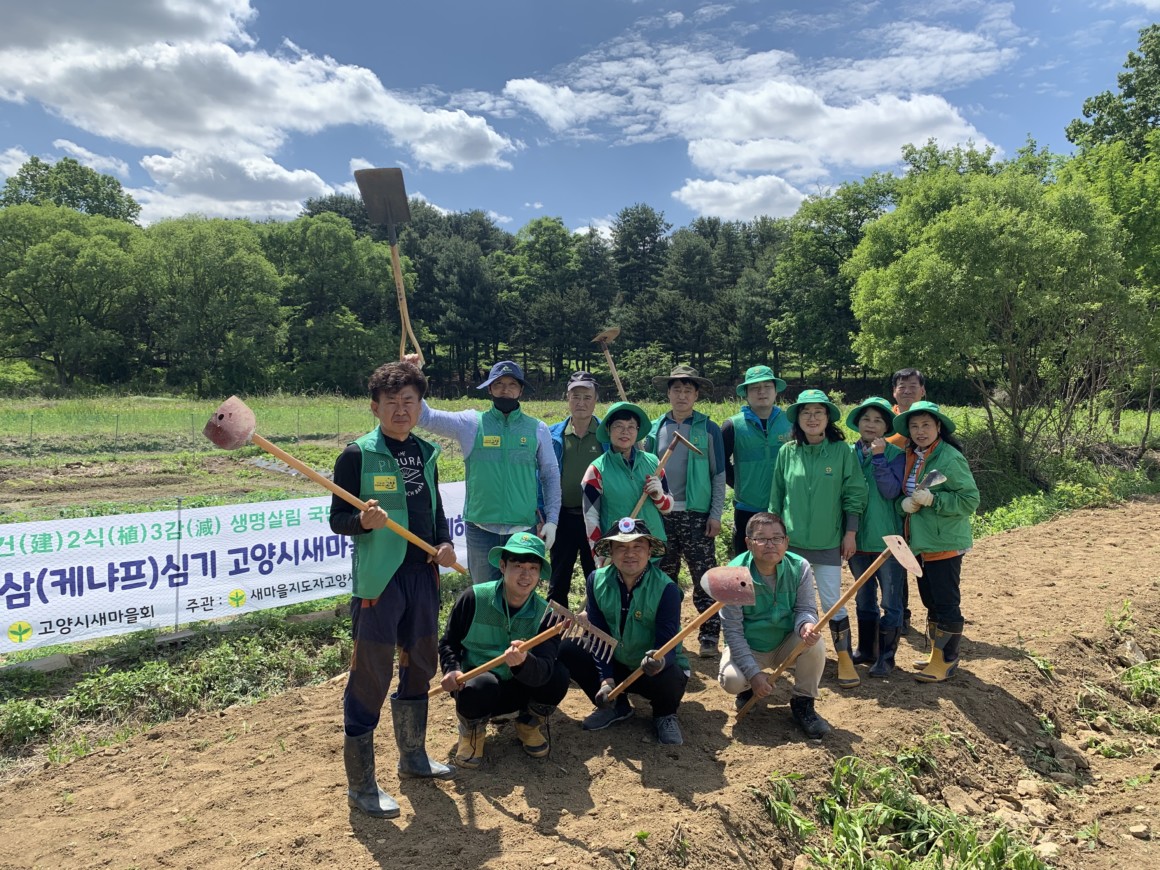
{"x": 505, "y": 405}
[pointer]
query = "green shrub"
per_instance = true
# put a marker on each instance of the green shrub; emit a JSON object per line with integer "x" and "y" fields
{"x": 24, "y": 721}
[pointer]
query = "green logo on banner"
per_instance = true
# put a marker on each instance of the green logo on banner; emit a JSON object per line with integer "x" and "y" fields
{"x": 237, "y": 598}
{"x": 19, "y": 632}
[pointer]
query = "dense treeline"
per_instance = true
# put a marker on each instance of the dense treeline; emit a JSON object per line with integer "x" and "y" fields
{"x": 1032, "y": 281}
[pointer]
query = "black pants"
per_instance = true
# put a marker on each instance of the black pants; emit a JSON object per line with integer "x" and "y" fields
{"x": 664, "y": 691}
{"x": 571, "y": 541}
{"x": 740, "y": 521}
{"x": 939, "y": 588}
{"x": 488, "y": 695}
{"x": 686, "y": 538}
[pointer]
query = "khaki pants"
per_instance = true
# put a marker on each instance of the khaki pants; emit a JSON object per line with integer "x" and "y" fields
{"x": 807, "y": 667}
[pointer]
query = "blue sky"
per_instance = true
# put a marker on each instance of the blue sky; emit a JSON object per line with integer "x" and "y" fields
{"x": 525, "y": 108}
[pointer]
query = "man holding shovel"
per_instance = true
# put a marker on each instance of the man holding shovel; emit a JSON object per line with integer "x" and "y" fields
{"x": 764, "y": 635}
{"x": 505, "y": 452}
{"x": 697, "y": 484}
{"x": 489, "y": 620}
{"x": 396, "y": 590}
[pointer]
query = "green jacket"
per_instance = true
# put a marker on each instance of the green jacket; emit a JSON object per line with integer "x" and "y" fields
{"x": 946, "y": 524}
{"x": 640, "y": 633}
{"x": 754, "y": 453}
{"x": 492, "y": 630}
{"x": 502, "y": 470}
{"x": 770, "y": 620}
{"x": 698, "y": 482}
{"x": 814, "y": 486}
{"x": 379, "y": 553}
{"x": 622, "y": 488}
{"x": 880, "y": 517}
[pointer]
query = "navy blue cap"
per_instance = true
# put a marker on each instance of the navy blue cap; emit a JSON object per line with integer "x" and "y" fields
{"x": 501, "y": 368}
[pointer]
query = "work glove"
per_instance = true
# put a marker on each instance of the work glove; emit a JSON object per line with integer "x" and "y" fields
{"x": 651, "y": 666}
{"x": 909, "y": 506}
{"x": 548, "y": 533}
{"x": 654, "y": 487}
{"x": 923, "y": 497}
{"x": 601, "y": 699}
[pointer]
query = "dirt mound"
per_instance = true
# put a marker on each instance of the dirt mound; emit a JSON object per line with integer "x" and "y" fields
{"x": 1035, "y": 730}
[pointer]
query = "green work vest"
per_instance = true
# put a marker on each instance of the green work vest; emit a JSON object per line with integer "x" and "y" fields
{"x": 379, "y": 553}
{"x": 770, "y": 620}
{"x": 492, "y": 630}
{"x": 880, "y": 517}
{"x": 754, "y": 452}
{"x": 698, "y": 485}
{"x": 623, "y": 488}
{"x": 501, "y": 471}
{"x": 640, "y": 629}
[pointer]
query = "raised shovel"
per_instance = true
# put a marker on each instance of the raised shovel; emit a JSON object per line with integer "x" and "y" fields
{"x": 727, "y": 586}
{"x": 232, "y": 426}
{"x": 678, "y": 438}
{"x": 604, "y": 339}
{"x": 896, "y": 547}
{"x": 561, "y": 621}
{"x": 385, "y": 198}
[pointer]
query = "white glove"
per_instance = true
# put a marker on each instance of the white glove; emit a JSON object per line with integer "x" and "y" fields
{"x": 923, "y": 497}
{"x": 909, "y": 506}
{"x": 548, "y": 533}
{"x": 653, "y": 486}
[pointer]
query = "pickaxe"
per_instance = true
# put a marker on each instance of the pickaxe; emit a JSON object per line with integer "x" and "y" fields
{"x": 385, "y": 198}
{"x": 232, "y": 426}
{"x": 678, "y": 438}
{"x": 561, "y": 621}
{"x": 727, "y": 586}
{"x": 604, "y": 339}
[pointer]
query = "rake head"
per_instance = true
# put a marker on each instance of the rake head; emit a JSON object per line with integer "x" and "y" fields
{"x": 592, "y": 639}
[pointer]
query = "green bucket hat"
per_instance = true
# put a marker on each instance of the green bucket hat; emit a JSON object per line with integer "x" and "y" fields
{"x": 757, "y": 374}
{"x": 626, "y": 530}
{"x": 902, "y": 421}
{"x": 873, "y": 402}
{"x": 522, "y": 544}
{"x": 682, "y": 373}
{"x": 812, "y": 397}
{"x": 602, "y": 434}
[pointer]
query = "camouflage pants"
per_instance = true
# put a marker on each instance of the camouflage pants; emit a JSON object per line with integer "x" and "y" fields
{"x": 686, "y": 533}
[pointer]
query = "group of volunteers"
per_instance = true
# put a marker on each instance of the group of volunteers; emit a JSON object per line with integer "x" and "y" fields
{"x": 631, "y": 497}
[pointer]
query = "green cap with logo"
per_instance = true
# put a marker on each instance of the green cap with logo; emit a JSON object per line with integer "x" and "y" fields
{"x": 602, "y": 433}
{"x": 902, "y": 421}
{"x": 756, "y": 375}
{"x": 522, "y": 544}
{"x": 879, "y": 404}
{"x": 813, "y": 397}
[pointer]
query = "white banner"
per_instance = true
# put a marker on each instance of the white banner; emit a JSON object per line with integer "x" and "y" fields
{"x": 68, "y": 580}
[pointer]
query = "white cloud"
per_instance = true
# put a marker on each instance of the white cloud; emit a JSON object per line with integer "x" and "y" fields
{"x": 602, "y": 225}
{"x": 11, "y": 159}
{"x": 741, "y": 200}
{"x": 247, "y": 178}
{"x": 536, "y": 205}
{"x": 499, "y": 218}
{"x": 98, "y": 162}
{"x": 559, "y": 106}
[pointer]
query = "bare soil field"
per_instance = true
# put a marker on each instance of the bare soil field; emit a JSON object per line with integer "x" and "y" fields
{"x": 263, "y": 785}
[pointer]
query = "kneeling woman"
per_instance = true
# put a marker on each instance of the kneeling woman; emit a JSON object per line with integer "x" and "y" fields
{"x": 938, "y": 527}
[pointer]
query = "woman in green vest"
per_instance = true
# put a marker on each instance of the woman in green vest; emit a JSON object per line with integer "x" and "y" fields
{"x": 764, "y": 634}
{"x": 882, "y": 467}
{"x": 615, "y": 481}
{"x": 819, "y": 492}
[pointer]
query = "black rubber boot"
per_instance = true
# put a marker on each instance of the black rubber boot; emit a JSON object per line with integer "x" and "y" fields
{"x": 867, "y": 637}
{"x": 887, "y": 646}
{"x": 802, "y": 710}
{"x": 410, "y": 721}
{"x": 362, "y": 791}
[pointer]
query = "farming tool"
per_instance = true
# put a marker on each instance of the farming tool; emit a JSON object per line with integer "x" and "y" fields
{"x": 727, "y": 586}
{"x": 561, "y": 621}
{"x": 896, "y": 547}
{"x": 385, "y": 198}
{"x": 604, "y": 339}
{"x": 233, "y": 425}
{"x": 678, "y": 438}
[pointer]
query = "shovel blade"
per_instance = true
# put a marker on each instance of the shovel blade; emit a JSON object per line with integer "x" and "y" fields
{"x": 932, "y": 479}
{"x": 608, "y": 336}
{"x": 232, "y": 425}
{"x": 730, "y": 585}
{"x": 384, "y": 195}
{"x": 902, "y": 554}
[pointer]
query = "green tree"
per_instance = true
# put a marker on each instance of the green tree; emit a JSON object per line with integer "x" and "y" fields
{"x": 639, "y": 248}
{"x": 67, "y": 183}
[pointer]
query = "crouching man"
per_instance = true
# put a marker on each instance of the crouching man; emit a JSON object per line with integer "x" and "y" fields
{"x": 763, "y": 635}
{"x": 489, "y": 620}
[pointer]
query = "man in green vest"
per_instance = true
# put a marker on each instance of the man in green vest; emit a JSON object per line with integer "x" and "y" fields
{"x": 697, "y": 484}
{"x": 508, "y": 456}
{"x": 752, "y": 438}
{"x": 396, "y": 588}
{"x": 489, "y": 620}
{"x": 764, "y": 634}
{"x": 640, "y": 606}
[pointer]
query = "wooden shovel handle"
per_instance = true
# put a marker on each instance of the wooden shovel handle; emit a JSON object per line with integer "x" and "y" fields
{"x": 709, "y": 613}
{"x": 612, "y": 369}
{"x": 826, "y": 617}
{"x": 300, "y": 466}
{"x": 524, "y": 646}
{"x": 660, "y": 467}
{"x": 405, "y": 330}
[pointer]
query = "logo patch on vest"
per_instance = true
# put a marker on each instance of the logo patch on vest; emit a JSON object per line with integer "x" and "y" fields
{"x": 523, "y": 440}
{"x": 492, "y": 440}
{"x": 829, "y": 471}
{"x": 386, "y": 483}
